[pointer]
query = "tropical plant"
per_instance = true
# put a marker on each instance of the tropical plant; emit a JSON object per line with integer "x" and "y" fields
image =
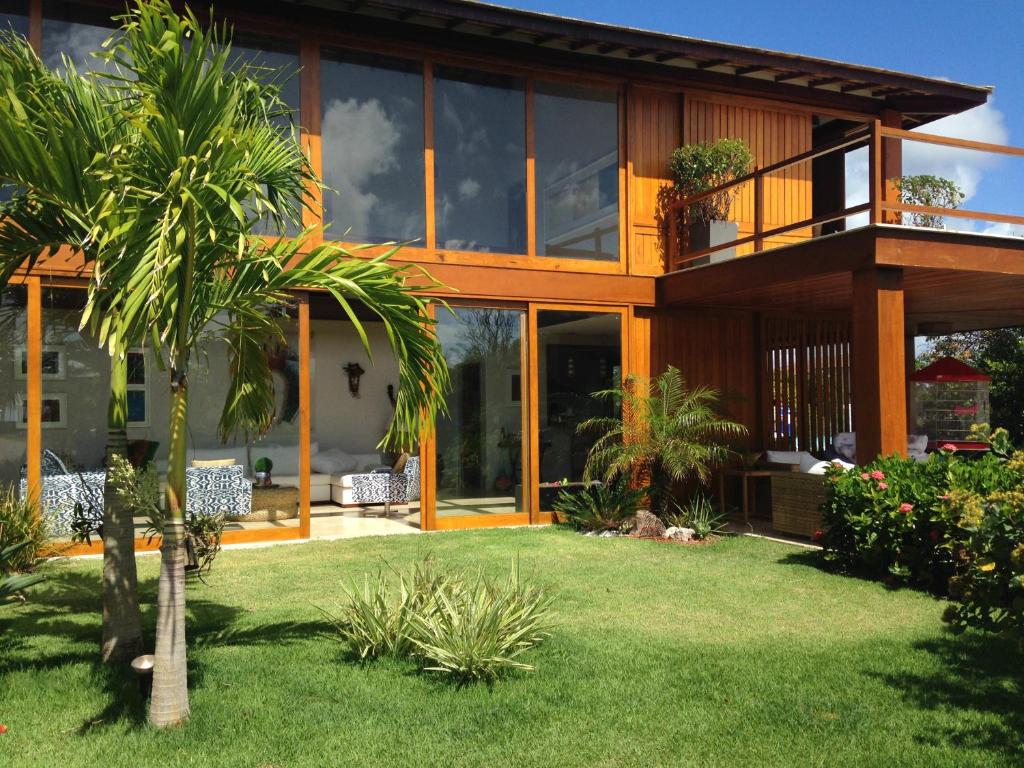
{"x": 199, "y": 160}
{"x": 668, "y": 433}
{"x": 697, "y": 168}
{"x": 11, "y": 586}
{"x": 599, "y": 506}
{"x": 20, "y": 523}
{"x": 698, "y": 513}
{"x": 467, "y": 629}
{"x": 931, "y": 191}
{"x": 479, "y": 631}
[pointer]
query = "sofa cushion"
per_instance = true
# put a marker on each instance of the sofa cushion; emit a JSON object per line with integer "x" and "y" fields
{"x": 333, "y": 461}
{"x": 787, "y": 457}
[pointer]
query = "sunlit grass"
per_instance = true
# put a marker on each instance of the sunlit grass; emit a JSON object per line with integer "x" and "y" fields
{"x": 739, "y": 653}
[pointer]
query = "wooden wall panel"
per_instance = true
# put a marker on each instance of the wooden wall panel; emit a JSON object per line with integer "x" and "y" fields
{"x": 713, "y": 348}
{"x": 653, "y": 132}
{"x": 772, "y": 135}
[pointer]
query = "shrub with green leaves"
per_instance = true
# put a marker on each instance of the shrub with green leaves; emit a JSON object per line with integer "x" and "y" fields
{"x": 908, "y": 521}
{"x": 22, "y": 525}
{"x": 599, "y": 506}
{"x": 11, "y": 587}
{"x": 697, "y": 168}
{"x": 698, "y": 513}
{"x": 471, "y": 630}
{"x": 990, "y": 586}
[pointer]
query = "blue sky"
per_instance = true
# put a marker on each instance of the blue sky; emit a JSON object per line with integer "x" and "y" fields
{"x": 980, "y": 42}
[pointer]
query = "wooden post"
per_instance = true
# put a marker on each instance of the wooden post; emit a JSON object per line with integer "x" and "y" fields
{"x": 304, "y": 418}
{"x": 758, "y": 210}
{"x": 875, "y": 195}
{"x": 310, "y": 133}
{"x": 879, "y": 364}
{"x": 35, "y": 26}
{"x": 892, "y": 165}
{"x": 429, "y": 224}
{"x": 34, "y": 390}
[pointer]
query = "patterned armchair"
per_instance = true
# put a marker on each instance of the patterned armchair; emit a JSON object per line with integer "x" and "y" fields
{"x": 398, "y": 485}
{"x": 208, "y": 491}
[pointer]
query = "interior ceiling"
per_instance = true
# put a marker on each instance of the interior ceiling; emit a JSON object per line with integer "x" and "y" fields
{"x": 506, "y": 30}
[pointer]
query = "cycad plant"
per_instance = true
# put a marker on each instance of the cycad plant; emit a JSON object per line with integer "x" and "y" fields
{"x": 200, "y": 159}
{"x": 667, "y": 433}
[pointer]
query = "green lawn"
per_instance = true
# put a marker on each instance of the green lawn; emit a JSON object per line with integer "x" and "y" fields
{"x": 741, "y": 653}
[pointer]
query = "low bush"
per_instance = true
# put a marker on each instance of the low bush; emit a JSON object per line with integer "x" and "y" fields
{"x": 599, "y": 506}
{"x": 471, "y": 630}
{"x": 21, "y": 525}
{"x": 698, "y": 513}
{"x": 11, "y": 586}
{"x": 904, "y": 520}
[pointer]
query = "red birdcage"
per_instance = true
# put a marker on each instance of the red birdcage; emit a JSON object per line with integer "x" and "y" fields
{"x": 946, "y": 399}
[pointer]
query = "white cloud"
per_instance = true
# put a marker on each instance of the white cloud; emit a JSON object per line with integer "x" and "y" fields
{"x": 469, "y": 188}
{"x": 966, "y": 167}
{"x": 363, "y": 141}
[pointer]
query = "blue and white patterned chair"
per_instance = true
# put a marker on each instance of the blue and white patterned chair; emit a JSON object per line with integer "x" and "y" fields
{"x": 212, "y": 490}
{"x": 62, "y": 490}
{"x": 398, "y": 485}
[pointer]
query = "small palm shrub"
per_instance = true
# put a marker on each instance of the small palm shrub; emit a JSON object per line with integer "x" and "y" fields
{"x": 700, "y": 515}
{"x": 20, "y": 524}
{"x": 468, "y": 629}
{"x": 599, "y": 506}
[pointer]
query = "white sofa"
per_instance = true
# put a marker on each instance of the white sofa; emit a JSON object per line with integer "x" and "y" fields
{"x": 330, "y": 469}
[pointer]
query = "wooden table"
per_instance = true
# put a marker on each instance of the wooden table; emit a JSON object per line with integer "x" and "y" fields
{"x": 745, "y": 476}
{"x": 272, "y": 502}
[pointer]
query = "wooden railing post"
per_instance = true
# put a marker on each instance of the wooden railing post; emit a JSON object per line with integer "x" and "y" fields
{"x": 875, "y": 180}
{"x": 673, "y": 237}
{"x": 758, "y": 210}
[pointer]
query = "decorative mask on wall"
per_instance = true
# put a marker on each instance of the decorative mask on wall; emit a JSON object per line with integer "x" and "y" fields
{"x": 354, "y": 372}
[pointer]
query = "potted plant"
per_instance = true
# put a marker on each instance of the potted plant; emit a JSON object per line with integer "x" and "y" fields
{"x": 697, "y": 168}
{"x": 263, "y": 468}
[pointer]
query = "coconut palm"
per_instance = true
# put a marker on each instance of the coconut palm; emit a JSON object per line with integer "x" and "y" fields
{"x": 205, "y": 159}
{"x": 667, "y": 433}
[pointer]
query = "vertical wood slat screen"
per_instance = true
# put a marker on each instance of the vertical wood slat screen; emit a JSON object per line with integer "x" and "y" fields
{"x": 807, "y": 388}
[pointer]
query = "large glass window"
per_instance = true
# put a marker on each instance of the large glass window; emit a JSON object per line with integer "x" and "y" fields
{"x": 578, "y": 353}
{"x": 372, "y": 137}
{"x": 479, "y": 443}
{"x": 577, "y": 172}
{"x": 76, "y": 33}
{"x": 13, "y": 380}
{"x": 480, "y": 161}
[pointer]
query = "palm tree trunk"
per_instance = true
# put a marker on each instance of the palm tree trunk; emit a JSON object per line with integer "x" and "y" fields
{"x": 169, "y": 704}
{"x": 122, "y": 627}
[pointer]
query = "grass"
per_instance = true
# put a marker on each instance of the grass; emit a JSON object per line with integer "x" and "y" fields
{"x": 740, "y": 653}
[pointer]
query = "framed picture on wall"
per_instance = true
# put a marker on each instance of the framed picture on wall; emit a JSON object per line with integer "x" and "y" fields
{"x": 54, "y": 363}
{"x": 54, "y": 411}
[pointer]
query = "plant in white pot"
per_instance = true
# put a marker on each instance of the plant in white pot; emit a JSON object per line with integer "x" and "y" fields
{"x": 697, "y": 168}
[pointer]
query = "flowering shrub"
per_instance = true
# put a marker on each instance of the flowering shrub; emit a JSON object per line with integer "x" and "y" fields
{"x": 909, "y": 521}
{"x": 990, "y": 586}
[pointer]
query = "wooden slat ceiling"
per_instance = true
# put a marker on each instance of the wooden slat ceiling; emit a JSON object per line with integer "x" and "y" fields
{"x": 921, "y": 99}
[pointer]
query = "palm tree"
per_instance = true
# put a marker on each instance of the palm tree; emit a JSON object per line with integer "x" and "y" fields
{"x": 205, "y": 160}
{"x": 57, "y": 204}
{"x": 667, "y": 433}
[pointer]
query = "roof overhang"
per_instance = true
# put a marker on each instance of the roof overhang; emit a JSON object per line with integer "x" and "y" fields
{"x": 507, "y": 31}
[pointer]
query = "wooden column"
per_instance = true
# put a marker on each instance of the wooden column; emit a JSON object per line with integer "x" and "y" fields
{"x": 892, "y": 165}
{"x": 879, "y": 364}
{"x": 305, "y": 415}
{"x": 309, "y": 120}
{"x": 34, "y": 389}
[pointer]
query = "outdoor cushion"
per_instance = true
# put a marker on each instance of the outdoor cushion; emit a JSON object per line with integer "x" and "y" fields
{"x": 213, "y": 463}
{"x": 787, "y": 457}
{"x": 845, "y": 444}
{"x": 820, "y": 467}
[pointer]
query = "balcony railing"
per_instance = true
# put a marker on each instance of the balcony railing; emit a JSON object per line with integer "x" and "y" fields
{"x": 791, "y": 196}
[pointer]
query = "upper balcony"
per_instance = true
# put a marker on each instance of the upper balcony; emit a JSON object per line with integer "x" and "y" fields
{"x": 801, "y": 229}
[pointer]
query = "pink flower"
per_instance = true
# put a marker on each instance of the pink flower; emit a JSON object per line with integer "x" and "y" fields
{"x": 883, "y": 486}
{"x": 949, "y": 447}
{"x": 864, "y": 476}
{"x": 944, "y": 497}
{"x": 906, "y": 508}
{"x": 819, "y": 534}
{"x": 878, "y": 475}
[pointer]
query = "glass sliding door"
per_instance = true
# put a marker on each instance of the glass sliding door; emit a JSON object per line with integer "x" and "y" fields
{"x": 479, "y": 444}
{"x": 578, "y": 353}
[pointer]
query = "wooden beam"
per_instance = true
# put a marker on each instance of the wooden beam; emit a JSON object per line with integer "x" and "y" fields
{"x": 430, "y": 232}
{"x": 879, "y": 364}
{"x": 531, "y": 190}
{"x": 791, "y": 76}
{"x": 751, "y": 70}
{"x": 712, "y": 63}
{"x": 35, "y": 26}
{"x": 892, "y": 166}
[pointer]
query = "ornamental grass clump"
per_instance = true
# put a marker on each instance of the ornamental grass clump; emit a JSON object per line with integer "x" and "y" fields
{"x": 600, "y": 506}
{"x": 469, "y": 629}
